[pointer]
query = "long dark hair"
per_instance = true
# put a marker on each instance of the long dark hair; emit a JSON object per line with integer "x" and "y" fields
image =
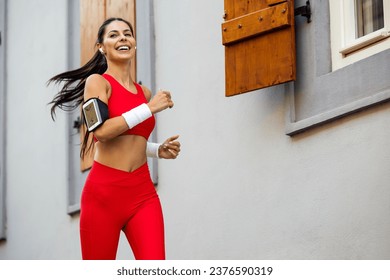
{"x": 71, "y": 94}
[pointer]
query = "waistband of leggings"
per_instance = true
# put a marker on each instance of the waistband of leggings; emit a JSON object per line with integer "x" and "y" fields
{"x": 101, "y": 169}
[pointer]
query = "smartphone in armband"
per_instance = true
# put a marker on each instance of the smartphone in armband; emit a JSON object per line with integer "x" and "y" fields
{"x": 95, "y": 113}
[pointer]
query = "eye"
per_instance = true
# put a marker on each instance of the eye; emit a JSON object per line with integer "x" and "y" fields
{"x": 112, "y": 36}
{"x": 129, "y": 35}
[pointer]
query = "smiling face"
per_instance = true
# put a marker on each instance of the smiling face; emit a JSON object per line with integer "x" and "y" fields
{"x": 118, "y": 41}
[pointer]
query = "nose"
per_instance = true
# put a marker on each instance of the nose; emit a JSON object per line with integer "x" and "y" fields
{"x": 123, "y": 37}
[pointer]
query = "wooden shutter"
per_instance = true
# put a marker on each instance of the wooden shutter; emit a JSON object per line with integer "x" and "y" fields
{"x": 92, "y": 14}
{"x": 259, "y": 40}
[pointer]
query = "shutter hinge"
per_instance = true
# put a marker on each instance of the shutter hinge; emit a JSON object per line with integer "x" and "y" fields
{"x": 304, "y": 11}
{"x": 77, "y": 124}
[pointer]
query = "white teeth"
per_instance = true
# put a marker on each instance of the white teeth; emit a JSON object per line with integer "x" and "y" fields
{"x": 123, "y": 48}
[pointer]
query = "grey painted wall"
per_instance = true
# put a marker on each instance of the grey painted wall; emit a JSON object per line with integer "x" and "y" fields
{"x": 38, "y": 226}
{"x": 242, "y": 189}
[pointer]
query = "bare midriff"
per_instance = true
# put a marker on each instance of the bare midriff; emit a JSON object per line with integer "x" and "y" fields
{"x": 125, "y": 152}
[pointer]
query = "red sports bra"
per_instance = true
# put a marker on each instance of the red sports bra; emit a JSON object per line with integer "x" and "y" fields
{"x": 122, "y": 100}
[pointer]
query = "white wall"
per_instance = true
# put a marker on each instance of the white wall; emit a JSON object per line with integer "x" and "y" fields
{"x": 241, "y": 188}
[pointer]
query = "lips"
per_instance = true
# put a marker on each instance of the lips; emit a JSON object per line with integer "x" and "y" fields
{"x": 123, "y": 48}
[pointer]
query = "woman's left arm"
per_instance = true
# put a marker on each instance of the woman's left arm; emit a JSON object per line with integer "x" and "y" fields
{"x": 170, "y": 149}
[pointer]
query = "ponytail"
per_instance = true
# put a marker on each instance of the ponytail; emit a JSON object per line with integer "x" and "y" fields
{"x": 71, "y": 95}
{"x": 72, "y": 92}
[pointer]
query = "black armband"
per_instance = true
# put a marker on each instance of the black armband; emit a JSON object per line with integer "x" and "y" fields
{"x": 95, "y": 113}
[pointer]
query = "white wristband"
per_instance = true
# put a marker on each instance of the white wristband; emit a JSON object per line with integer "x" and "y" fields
{"x": 137, "y": 115}
{"x": 152, "y": 149}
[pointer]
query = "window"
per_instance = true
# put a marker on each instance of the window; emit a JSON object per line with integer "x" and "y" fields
{"x": 359, "y": 29}
{"x": 2, "y": 119}
{"x": 91, "y": 14}
{"x": 320, "y": 94}
{"x": 89, "y": 26}
{"x": 369, "y": 16}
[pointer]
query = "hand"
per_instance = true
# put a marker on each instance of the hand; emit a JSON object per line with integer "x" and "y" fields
{"x": 170, "y": 149}
{"x": 161, "y": 101}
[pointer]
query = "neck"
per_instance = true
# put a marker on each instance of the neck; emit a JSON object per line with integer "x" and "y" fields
{"x": 121, "y": 72}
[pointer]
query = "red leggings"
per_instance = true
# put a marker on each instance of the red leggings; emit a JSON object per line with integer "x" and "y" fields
{"x": 115, "y": 200}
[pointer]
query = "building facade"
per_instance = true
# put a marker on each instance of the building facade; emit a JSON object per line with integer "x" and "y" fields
{"x": 299, "y": 170}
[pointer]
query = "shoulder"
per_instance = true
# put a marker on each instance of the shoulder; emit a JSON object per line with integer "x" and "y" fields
{"x": 147, "y": 92}
{"x": 96, "y": 86}
{"x": 96, "y": 80}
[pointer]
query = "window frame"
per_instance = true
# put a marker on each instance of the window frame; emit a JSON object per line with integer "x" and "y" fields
{"x": 346, "y": 49}
{"x": 145, "y": 73}
{"x": 75, "y": 177}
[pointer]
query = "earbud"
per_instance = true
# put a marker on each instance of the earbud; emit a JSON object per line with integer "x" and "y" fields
{"x": 135, "y": 47}
{"x": 101, "y": 50}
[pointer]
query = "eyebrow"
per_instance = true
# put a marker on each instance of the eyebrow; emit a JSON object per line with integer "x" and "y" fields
{"x": 126, "y": 30}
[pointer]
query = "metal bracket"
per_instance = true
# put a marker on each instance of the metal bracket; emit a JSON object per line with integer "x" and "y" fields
{"x": 304, "y": 11}
{"x": 77, "y": 124}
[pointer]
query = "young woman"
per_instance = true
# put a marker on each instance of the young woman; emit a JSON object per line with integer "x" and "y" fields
{"x": 118, "y": 193}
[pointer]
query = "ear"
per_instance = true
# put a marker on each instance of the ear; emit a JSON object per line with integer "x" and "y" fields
{"x": 101, "y": 49}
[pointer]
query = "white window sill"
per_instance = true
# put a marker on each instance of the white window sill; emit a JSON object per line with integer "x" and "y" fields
{"x": 366, "y": 41}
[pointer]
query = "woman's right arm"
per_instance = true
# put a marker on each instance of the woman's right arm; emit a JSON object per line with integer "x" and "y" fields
{"x": 97, "y": 87}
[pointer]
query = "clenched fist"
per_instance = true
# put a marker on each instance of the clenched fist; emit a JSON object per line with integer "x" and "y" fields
{"x": 161, "y": 101}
